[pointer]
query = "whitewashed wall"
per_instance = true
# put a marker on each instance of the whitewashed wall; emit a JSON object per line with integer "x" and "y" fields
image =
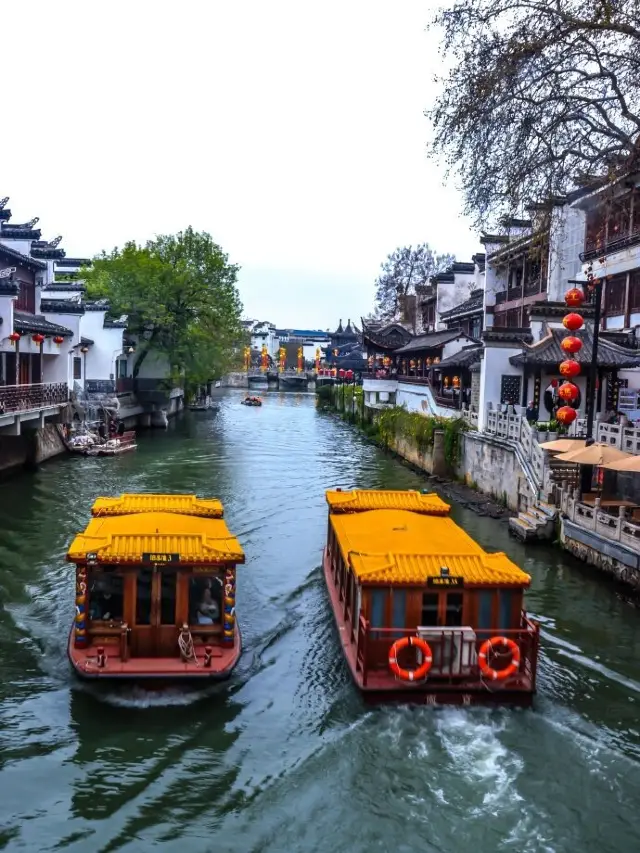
{"x": 495, "y": 365}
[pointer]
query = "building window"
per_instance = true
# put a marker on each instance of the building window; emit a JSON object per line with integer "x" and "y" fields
{"x": 77, "y": 367}
{"x": 510, "y": 390}
{"x": 27, "y": 297}
{"x": 615, "y": 295}
{"x": 634, "y": 291}
{"x": 475, "y": 327}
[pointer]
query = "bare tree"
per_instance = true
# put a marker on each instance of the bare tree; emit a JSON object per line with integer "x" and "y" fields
{"x": 404, "y": 270}
{"x": 541, "y": 95}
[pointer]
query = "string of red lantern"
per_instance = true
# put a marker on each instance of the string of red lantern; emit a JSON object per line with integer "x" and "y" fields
{"x": 570, "y": 368}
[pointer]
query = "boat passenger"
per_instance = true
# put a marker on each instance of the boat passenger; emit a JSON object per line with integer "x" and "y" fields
{"x": 208, "y": 610}
{"x": 104, "y": 605}
{"x": 102, "y": 430}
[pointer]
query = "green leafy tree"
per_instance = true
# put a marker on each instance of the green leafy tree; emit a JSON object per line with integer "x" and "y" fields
{"x": 180, "y": 297}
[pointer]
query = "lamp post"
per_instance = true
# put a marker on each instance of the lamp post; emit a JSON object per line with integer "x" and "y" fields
{"x": 596, "y": 284}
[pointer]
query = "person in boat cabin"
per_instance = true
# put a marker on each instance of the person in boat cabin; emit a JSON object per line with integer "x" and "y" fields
{"x": 104, "y": 604}
{"x": 208, "y": 611}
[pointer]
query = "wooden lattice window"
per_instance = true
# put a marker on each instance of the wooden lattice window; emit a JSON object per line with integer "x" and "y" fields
{"x": 634, "y": 290}
{"x": 510, "y": 389}
{"x": 615, "y": 295}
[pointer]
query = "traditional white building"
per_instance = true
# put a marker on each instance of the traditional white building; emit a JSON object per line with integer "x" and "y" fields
{"x": 528, "y": 271}
{"x": 52, "y": 339}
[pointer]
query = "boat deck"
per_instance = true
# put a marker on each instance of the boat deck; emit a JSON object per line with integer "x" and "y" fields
{"x": 85, "y": 663}
{"x": 381, "y": 685}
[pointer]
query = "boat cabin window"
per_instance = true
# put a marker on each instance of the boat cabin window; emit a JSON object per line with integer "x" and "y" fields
{"x": 168, "y": 598}
{"x": 378, "y": 608}
{"x": 505, "y": 609}
{"x": 106, "y": 592}
{"x": 399, "y": 611}
{"x": 143, "y": 596}
{"x": 453, "y": 612}
{"x": 205, "y": 599}
{"x": 430, "y": 602}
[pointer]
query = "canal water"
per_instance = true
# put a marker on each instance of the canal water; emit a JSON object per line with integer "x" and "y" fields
{"x": 286, "y": 757}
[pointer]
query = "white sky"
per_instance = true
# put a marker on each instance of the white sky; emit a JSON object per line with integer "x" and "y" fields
{"x": 292, "y": 132}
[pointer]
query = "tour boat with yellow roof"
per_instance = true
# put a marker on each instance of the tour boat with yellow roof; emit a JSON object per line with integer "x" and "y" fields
{"x": 155, "y": 590}
{"x": 424, "y": 614}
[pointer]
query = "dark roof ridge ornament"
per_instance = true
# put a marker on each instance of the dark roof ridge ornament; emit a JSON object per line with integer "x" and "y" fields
{"x": 339, "y": 330}
{"x": 26, "y": 226}
{"x": 3, "y": 202}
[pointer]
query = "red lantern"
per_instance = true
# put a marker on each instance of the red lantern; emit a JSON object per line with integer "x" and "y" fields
{"x": 58, "y": 340}
{"x": 573, "y": 322}
{"x": 568, "y": 392}
{"x": 14, "y": 337}
{"x": 566, "y": 415}
{"x": 571, "y": 344}
{"x": 349, "y": 374}
{"x": 37, "y": 338}
{"x": 341, "y": 373}
{"x": 574, "y": 297}
{"x": 570, "y": 368}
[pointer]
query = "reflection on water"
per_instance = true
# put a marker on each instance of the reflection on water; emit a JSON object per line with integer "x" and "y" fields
{"x": 286, "y": 756}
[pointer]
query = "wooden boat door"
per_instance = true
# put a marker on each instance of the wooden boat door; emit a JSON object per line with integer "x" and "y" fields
{"x": 154, "y": 632}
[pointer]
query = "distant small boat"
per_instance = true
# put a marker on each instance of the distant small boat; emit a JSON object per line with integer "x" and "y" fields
{"x": 252, "y": 401}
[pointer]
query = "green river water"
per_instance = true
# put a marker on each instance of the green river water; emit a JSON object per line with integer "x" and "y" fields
{"x": 286, "y": 757}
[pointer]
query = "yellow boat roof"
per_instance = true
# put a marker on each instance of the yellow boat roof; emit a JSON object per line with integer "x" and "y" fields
{"x": 126, "y": 538}
{"x": 182, "y": 504}
{"x": 403, "y": 547}
{"x": 359, "y": 500}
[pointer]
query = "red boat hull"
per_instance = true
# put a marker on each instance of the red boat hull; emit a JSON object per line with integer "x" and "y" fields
{"x": 157, "y": 669}
{"x": 381, "y": 686}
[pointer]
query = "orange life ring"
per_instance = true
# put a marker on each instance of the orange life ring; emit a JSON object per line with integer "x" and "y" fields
{"x": 410, "y": 674}
{"x": 499, "y": 674}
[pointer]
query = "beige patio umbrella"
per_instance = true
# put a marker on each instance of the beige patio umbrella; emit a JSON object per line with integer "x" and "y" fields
{"x": 595, "y": 454}
{"x": 563, "y": 445}
{"x": 632, "y": 464}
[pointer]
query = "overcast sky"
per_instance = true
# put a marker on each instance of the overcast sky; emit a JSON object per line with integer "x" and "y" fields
{"x": 292, "y": 132}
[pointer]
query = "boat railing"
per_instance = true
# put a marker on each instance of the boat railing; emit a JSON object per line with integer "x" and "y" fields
{"x": 454, "y": 649}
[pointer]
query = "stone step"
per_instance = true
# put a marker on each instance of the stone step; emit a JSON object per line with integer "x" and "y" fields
{"x": 550, "y": 511}
{"x": 522, "y": 529}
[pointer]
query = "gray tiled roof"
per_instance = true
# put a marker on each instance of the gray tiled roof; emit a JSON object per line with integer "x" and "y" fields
{"x": 548, "y": 351}
{"x": 465, "y": 358}
{"x": 32, "y": 323}
{"x": 472, "y": 304}
{"x": 61, "y": 306}
{"x": 433, "y": 340}
{"x": 23, "y": 260}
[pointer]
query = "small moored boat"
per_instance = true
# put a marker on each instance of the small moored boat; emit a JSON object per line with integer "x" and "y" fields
{"x": 252, "y": 401}
{"x": 424, "y": 614}
{"x": 155, "y": 590}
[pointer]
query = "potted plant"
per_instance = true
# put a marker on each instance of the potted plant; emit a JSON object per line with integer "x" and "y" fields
{"x": 543, "y": 430}
{"x": 553, "y": 430}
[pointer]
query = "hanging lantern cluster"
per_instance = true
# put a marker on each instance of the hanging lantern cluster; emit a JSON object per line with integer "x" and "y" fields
{"x": 300, "y": 359}
{"x": 570, "y": 368}
{"x": 247, "y": 357}
{"x": 282, "y": 357}
{"x": 264, "y": 359}
{"x": 318, "y": 354}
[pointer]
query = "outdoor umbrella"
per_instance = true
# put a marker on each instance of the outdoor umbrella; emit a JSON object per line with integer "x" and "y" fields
{"x": 631, "y": 464}
{"x": 596, "y": 454}
{"x": 563, "y": 445}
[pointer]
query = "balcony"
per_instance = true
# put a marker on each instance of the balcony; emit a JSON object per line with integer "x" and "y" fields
{"x": 18, "y": 399}
{"x": 609, "y": 247}
{"x": 514, "y": 294}
{"x": 124, "y": 385}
